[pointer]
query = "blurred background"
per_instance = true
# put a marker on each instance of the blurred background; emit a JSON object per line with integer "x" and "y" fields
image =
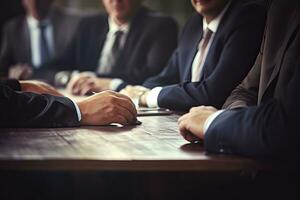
{"x": 179, "y": 9}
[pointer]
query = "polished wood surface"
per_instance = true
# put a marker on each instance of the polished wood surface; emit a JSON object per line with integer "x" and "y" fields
{"x": 153, "y": 146}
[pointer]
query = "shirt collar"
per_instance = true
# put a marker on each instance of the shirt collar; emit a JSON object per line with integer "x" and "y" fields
{"x": 214, "y": 24}
{"x": 114, "y": 27}
{"x": 34, "y": 23}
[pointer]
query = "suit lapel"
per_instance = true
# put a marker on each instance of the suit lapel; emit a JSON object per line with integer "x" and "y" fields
{"x": 191, "y": 49}
{"x": 190, "y": 58}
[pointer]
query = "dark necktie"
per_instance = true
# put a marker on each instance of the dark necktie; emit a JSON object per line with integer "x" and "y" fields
{"x": 202, "y": 49}
{"x": 116, "y": 48}
{"x": 45, "y": 53}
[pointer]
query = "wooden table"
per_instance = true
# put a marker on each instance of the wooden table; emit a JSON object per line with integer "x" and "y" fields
{"x": 153, "y": 146}
{"x": 150, "y": 161}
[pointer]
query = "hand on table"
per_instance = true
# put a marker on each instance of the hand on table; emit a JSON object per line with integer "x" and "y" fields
{"x": 86, "y": 82}
{"x": 38, "y": 87}
{"x": 107, "y": 107}
{"x": 20, "y": 72}
{"x": 136, "y": 93}
{"x": 191, "y": 125}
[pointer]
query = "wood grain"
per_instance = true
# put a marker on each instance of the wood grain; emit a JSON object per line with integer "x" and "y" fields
{"x": 153, "y": 146}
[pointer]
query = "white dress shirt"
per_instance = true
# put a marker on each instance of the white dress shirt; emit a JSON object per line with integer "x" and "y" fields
{"x": 108, "y": 44}
{"x": 152, "y": 98}
{"x": 35, "y": 39}
{"x": 78, "y": 111}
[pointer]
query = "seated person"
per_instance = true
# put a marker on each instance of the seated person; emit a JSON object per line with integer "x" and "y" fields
{"x": 261, "y": 117}
{"x": 211, "y": 58}
{"x": 20, "y": 107}
{"x": 33, "y": 44}
{"x": 125, "y": 46}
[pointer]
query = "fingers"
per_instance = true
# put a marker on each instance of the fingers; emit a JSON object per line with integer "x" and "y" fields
{"x": 127, "y": 117}
{"x": 20, "y": 71}
{"x": 183, "y": 118}
{"x": 120, "y": 119}
{"x": 75, "y": 82}
{"x": 184, "y": 128}
{"x": 134, "y": 91}
{"x": 120, "y": 95}
{"x": 125, "y": 106}
{"x": 15, "y": 72}
{"x": 125, "y": 102}
{"x": 87, "y": 87}
{"x": 119, "y": 105}
{"x": 190, "y": 137}
{"x": 25, "y": 72}
{"x": 78, "y": 85}
{"x": 71, "y": 84}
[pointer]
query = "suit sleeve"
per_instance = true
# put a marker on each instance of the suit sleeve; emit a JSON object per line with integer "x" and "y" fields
{"x": 234, "y": 63}
{"x": 12, "y": 84}
{"x": 23, "y": 109}
{"x": 271, "y": 129}
{"x": 163, "y": 44}
{"x": 246, "y": 94}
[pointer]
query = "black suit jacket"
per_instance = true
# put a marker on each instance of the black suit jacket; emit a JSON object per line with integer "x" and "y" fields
{"x": 270, "y": 126}
{"x": 24, "y": 109}
{"x": 150, "y": 42}
{"x": 231, "y": 55}
{"x": 16, "y": 47}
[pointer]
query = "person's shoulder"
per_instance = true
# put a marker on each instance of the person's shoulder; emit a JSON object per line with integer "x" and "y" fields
{"x": 247, "y": 7}
{"x": 244, "y": 12}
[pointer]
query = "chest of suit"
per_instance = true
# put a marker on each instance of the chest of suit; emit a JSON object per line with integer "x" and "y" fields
{"x": 282, "y": 47}
{"x": 133, "y": 53}
{"x": 188, "y": 48}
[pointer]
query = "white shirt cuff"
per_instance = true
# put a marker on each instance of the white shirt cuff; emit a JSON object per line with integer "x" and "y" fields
{"x": 210, "y": 120}
{"x": 77, "y": 110}
{"x": 115, "y": 83}
{"x": 152, "y": 97}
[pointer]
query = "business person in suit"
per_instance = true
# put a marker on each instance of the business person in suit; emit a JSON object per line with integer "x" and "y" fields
{"x": 33, "y": 44}
{"x": 125, "y": 46}
{"x": 261, "y": 117}
{"x": 211, "y": 58}
{"x": 36, "y": 104}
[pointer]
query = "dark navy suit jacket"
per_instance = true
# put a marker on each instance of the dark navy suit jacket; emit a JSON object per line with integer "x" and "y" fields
{"x": 25, "y": 109}
{"x": 151, "y": 41}
{"x": 270, "y": 125}
{"x": 231, "y": 55}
